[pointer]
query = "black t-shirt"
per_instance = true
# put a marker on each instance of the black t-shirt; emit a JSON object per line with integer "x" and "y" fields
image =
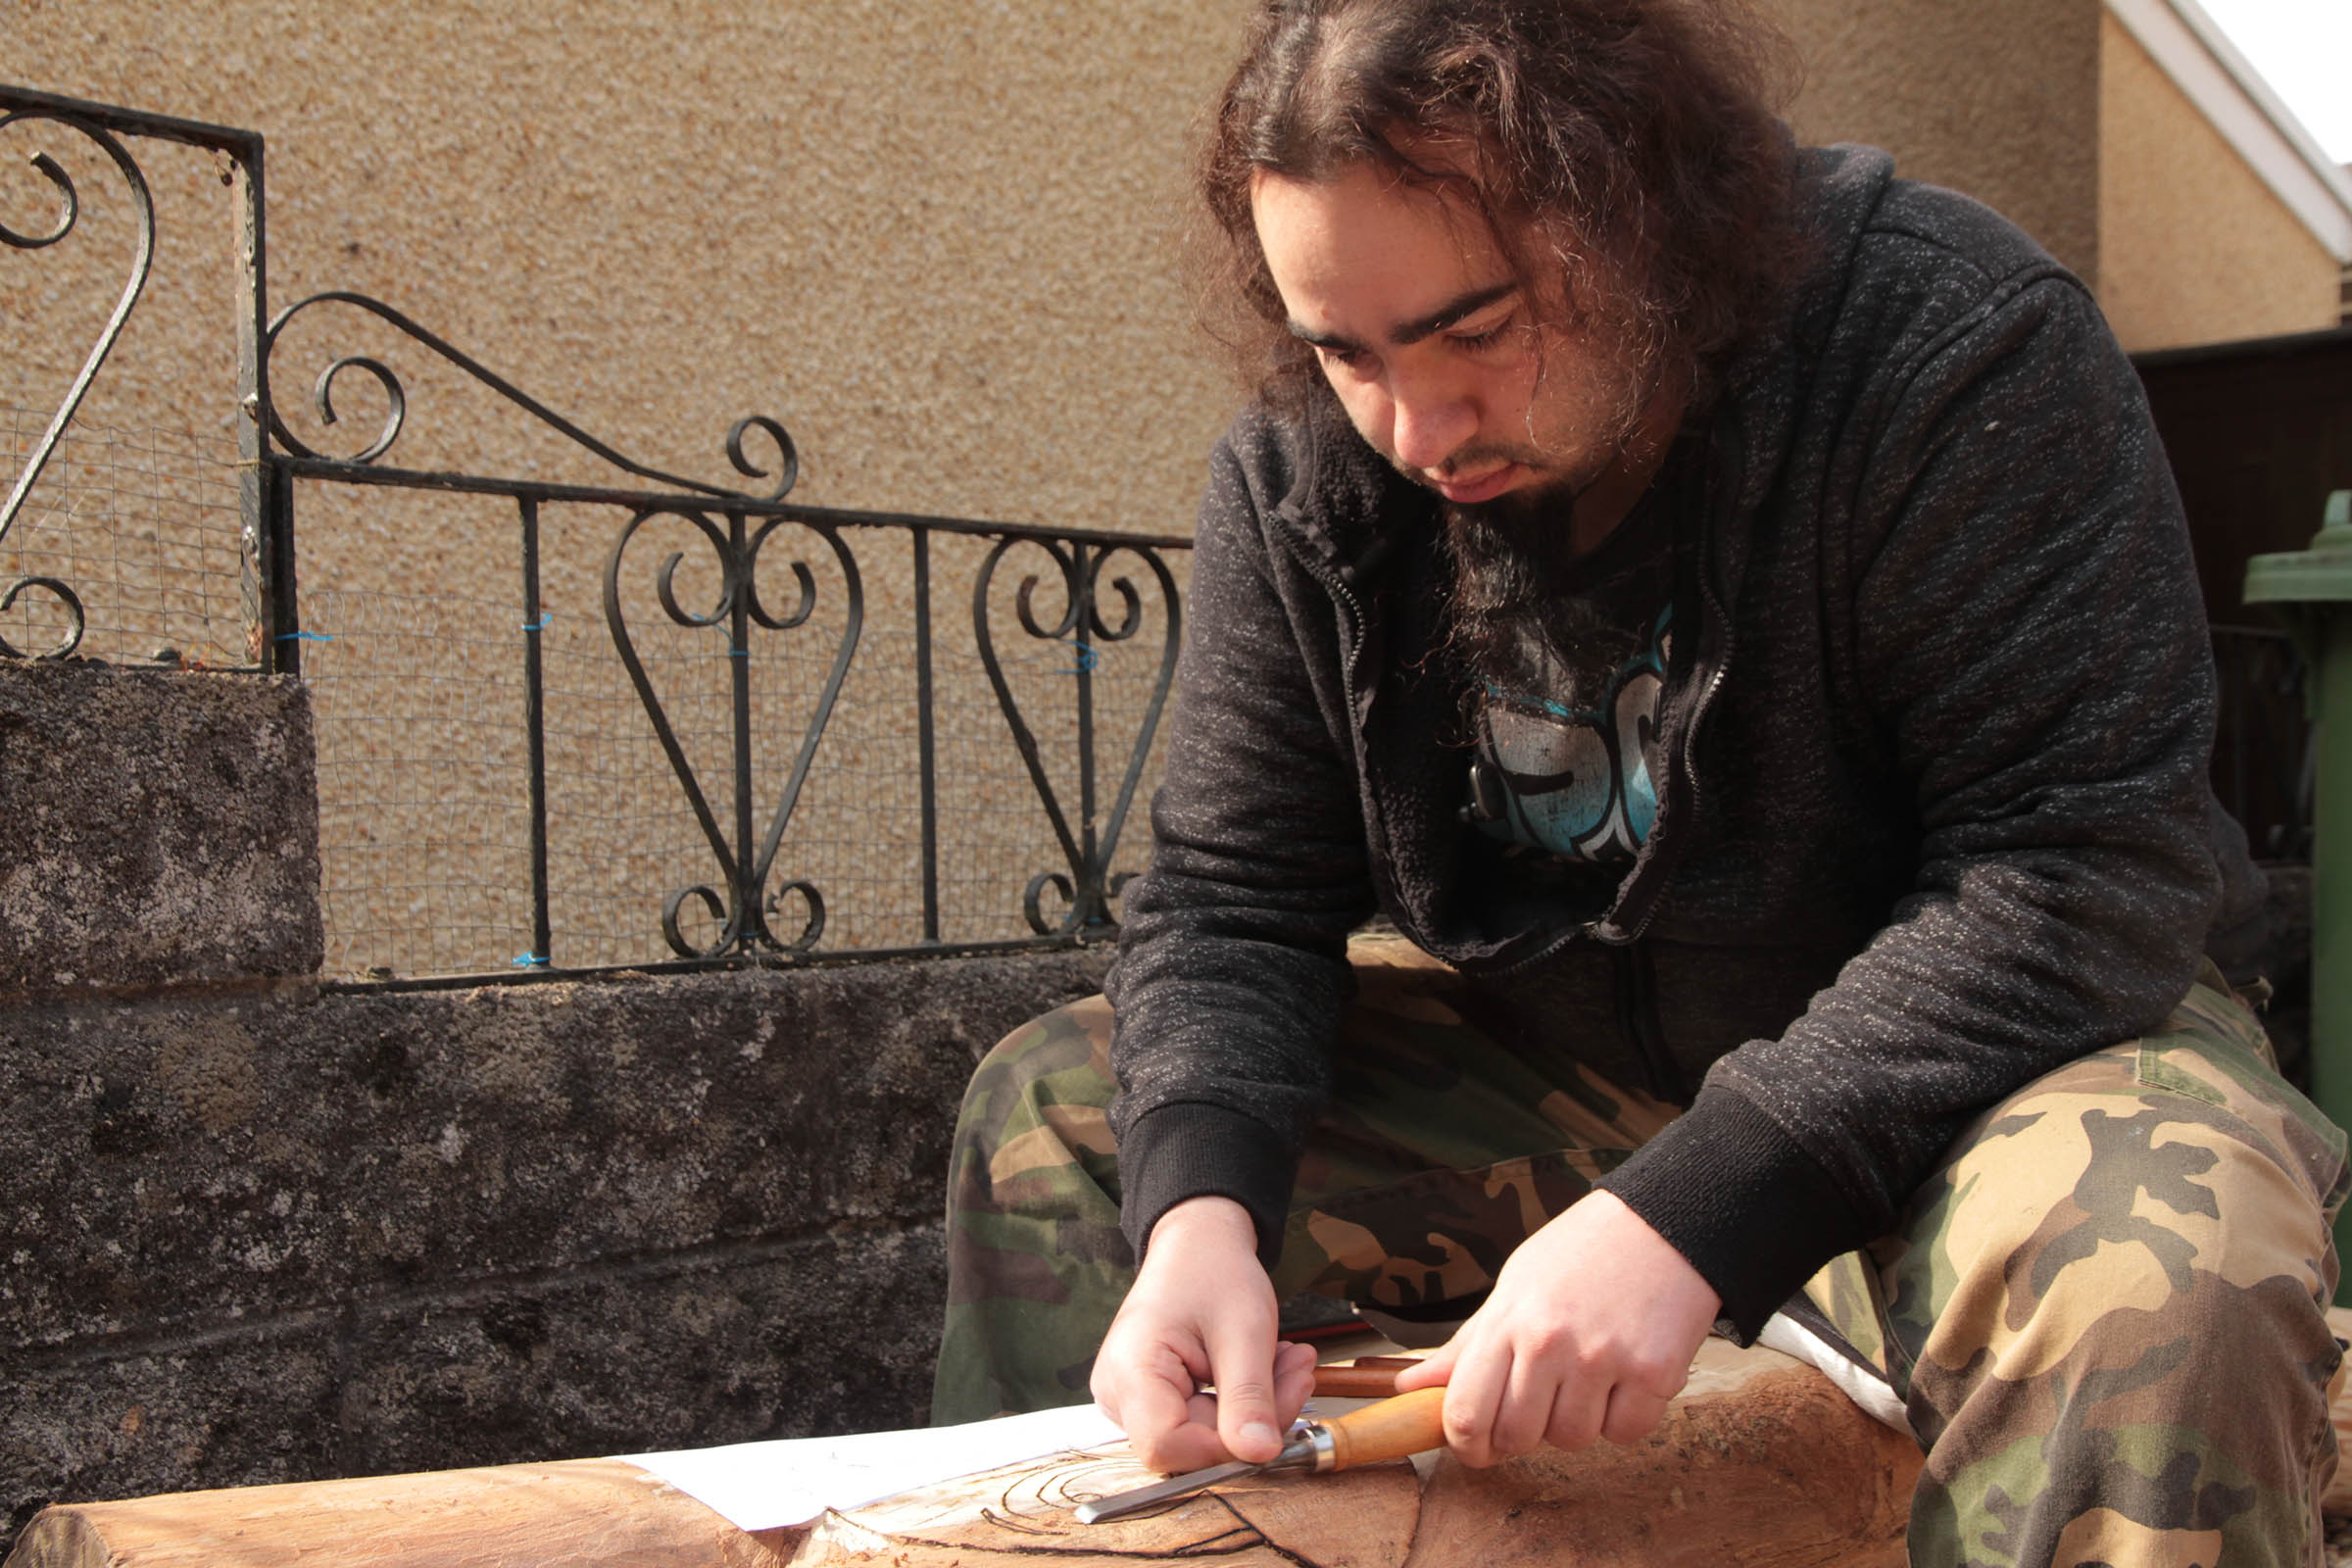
{"x": 1565, "y": 766}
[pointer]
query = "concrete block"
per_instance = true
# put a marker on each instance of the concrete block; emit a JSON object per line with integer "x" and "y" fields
{"x": 173, "y": 1164}
{"x": 827, "y": 1334}
{"x": 352, "y": 1233}
{"x": 832, "y": 1334}
{"x": 163, "y": 830}
{"x": 251, "y": 1406}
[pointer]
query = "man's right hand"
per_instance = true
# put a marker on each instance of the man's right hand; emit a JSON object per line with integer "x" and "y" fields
{"x": 1201, "y": 1312}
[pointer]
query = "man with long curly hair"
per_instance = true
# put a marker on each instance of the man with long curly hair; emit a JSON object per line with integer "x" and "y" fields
{"x": 1730, "y": 605}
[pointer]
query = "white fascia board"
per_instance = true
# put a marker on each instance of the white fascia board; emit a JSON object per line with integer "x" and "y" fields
{"x": 2231, "y": 93}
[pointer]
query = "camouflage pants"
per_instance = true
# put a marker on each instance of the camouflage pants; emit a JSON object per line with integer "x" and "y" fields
{"x": 2103, "y": 1313}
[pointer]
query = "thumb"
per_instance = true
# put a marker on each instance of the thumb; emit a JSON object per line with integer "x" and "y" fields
{"x": 1430, "y": 1370}
{"x": 1243, "y": 1363}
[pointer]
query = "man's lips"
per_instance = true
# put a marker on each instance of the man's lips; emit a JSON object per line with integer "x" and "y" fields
{"x": 1484, "y": 486}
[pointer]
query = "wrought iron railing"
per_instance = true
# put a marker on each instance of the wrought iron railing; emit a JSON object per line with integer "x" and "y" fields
{"x": 1105, "y": 607}
{"x": 105, "y": 131}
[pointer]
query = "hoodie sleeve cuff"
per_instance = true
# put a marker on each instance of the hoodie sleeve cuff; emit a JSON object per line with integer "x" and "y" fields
{"x": 1750, "y": 1210}
{"x": 1191, "y": 1149}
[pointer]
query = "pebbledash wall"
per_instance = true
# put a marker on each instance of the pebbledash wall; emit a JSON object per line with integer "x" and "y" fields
{"x": 253, "y": 1229}
{"x": 929, "y": 236}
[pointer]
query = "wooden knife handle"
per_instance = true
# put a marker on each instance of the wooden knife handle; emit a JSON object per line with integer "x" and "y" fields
{"x": 1389, "y": 1430}
{"x": 1356, "y": 1382}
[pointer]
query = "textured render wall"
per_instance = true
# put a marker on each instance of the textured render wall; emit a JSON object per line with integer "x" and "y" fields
{"x": 1998, "y": 98}
{"x": 932, "y": 239}
{"x": 928, "y": 237}
{"x": 2198, "y": 250}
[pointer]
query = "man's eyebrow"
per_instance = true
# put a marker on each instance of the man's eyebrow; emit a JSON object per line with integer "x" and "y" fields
{"x": 1452, "y": 311}
{"x": 1413, "y": 332}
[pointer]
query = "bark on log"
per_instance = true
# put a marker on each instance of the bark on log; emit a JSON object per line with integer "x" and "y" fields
{"x": 1756, "y": 1464}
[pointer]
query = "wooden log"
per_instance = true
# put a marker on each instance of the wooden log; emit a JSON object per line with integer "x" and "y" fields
{"x": 1760, "y": 1462}
{"x": 1719, "y": 1471}
{"x": 566, "y": 1515}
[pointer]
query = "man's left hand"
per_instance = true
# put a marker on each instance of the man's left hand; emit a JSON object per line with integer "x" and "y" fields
{"x": 1589, "y": 1333}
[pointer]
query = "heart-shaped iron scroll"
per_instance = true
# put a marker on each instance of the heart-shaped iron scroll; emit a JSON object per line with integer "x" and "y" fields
{"x": 69, "y": 216}
{"x": 742, "y": 911}
{"x": 1087, "y": 886}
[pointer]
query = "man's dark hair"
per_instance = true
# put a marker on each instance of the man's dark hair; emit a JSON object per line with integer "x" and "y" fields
{"x": 1626, "y": 155}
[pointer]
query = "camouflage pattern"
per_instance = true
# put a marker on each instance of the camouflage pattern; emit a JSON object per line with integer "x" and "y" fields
{"x": 1442, "y": 1151}
{"x": 1037, "y": 1263}
{"x": 2052, "y": 1310}
{"x": 2101, "y": 1370}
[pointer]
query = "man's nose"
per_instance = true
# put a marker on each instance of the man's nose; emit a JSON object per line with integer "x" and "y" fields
{"x": 1430, "y": 419}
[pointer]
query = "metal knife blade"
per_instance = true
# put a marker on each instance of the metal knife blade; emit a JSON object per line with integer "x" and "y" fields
{"x": 1125, "y": 1503}
{"x": 1392, "y": 1429}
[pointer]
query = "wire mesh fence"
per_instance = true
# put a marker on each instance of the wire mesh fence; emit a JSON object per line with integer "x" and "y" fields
{"x": 145, "y": 525}
{"x": 424, "y": 720}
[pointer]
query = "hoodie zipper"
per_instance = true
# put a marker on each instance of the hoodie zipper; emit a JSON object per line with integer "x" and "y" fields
{"x": 1338, "y": 588}
{"x": 1681, "y": 768}
{"x": 1687, "y": 772}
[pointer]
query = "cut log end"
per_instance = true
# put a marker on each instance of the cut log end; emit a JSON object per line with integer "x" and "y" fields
{"x": 60, "y": 1537}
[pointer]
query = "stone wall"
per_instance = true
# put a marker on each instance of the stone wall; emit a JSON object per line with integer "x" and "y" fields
{"x": 253, "y": 1229}
{"x": 164, "y": 831}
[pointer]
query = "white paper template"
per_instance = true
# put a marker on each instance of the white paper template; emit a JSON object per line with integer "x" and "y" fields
{"x": 761, "y": 1486}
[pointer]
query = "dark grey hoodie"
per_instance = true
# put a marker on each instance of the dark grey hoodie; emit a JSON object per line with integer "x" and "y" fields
{"x": 1934, "y": 818}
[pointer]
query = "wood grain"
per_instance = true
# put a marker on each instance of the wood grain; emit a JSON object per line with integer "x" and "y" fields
{"x": 564, "y": 1516}
{"x": 1760, "y": 1463}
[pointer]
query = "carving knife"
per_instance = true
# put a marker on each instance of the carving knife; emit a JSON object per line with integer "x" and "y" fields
{"x": 1389, "y": 1430}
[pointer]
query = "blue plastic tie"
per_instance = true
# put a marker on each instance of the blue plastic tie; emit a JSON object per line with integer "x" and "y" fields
{"x": 541, "y": 623}
{"x": 308, "y": 636}
{"x": 529, "y": 958}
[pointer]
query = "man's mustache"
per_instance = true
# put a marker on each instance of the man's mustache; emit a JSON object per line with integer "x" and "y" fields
{"x": 1472, "y": 458}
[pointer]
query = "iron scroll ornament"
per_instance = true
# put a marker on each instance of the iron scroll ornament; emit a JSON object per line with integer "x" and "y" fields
{"x": 1088, "y": 885}
{"x": 322, "y": 404}
{"x": 744, "y": 910}
{"x": 142, "y": 263}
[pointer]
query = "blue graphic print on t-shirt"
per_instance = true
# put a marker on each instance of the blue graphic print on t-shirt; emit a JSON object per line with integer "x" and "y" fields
{"x": 1579, "y": 781}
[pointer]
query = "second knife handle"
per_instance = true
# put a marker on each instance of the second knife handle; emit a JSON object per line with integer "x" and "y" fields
{"x": 1393, "y": 1428}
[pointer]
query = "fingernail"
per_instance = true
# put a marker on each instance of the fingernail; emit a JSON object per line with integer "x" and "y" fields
{"x": 1258, "y": 1434}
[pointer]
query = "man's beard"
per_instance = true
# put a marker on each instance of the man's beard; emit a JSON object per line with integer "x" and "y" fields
{"x": 1513, "y": 623}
